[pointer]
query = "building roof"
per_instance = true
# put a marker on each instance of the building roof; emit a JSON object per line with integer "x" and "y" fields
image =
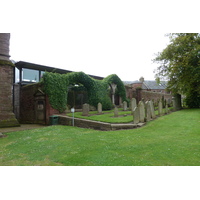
{"x": 149, "y": 84}
{"x": 153, "y": 85}
{"x": 27, "y": 65}
{"x": 131, "y": 82}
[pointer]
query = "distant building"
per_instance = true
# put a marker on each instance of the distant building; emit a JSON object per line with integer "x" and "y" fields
{"x": 141, "y": 89}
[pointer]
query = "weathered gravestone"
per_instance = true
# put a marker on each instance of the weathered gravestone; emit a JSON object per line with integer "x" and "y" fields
{"x": 152, "y": 109}
{"x": 177, "y": 102}
{"x": 166, "y": 109}
{"x": 116, "y": 112}
{"x": 85, "y": 109}
{"x": 99, "y": 108}
{"x": 148, "y": 111}
{"x": 160, "y": 108}
{"x": 136, "y": 117}
{"x": 124, "y": 106}
{"x": 141, "y": 111}
{"x": 133, "y": 104}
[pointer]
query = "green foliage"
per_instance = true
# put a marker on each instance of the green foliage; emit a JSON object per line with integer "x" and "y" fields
{"x": 56, "y": 87}
{"x": 180, "y": 64}
{"x": 113, "y": 78}
{"x": 192, "y": 99}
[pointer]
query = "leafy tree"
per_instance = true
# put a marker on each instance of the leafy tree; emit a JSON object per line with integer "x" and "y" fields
{"x": 180, "y": 64}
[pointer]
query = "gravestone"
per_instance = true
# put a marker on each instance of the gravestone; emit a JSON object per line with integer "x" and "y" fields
{"x": 124, "y": 106}
{"x": 141, "y": 111}
{"x": 99, "y": 108}
{"x": 133, "y": 104}
{"x": 85, "y": 109}
{"x": 160, "y": 108}
{"x": 152, "y": 109}
{"x": 177, "y": 102}
{"x": 136, "y": 117}
{"x": 116, "y": 112}
{"x": 148, "y": 111}
{"x": 166, "y": 109}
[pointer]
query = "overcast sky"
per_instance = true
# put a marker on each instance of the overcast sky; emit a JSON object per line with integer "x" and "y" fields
{"x": 101, "y": 51}
{"x": 96, "y": 37}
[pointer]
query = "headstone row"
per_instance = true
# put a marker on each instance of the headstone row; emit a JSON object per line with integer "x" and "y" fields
{"x": 86, "y": 109}
{"x": 144, "y": 112}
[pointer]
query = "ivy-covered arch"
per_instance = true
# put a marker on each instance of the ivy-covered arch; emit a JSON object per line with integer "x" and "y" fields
{"x": 56, "y": 87}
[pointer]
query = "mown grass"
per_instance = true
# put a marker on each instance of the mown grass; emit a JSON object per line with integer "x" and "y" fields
{"x": 108, "y": 116}
{"x": 172, "y": 140}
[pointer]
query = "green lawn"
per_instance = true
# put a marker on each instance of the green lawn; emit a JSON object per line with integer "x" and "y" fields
{"x": 108, "y": 116}
{"x": 172, "y": 139}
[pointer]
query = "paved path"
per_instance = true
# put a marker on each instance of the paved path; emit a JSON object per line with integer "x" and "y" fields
{"x": 21, "y": 128}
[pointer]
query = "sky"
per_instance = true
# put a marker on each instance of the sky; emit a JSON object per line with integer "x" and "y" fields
{"x": 117, "y": 50}
{"x": 96, "y": 37}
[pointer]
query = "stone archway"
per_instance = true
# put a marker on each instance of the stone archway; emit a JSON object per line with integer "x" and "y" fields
{"x": 113, "y": 87}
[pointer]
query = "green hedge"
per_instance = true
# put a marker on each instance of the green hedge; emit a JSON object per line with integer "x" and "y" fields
{"x": 56, "y": 87}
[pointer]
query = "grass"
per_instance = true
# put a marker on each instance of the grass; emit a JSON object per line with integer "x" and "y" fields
{"x": 171, "y": 140}
{"x": 108, "y": 116}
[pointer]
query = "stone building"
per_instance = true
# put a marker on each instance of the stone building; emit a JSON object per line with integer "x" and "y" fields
{"x": 147, "y": 90}
{"x": 7, "y": 117}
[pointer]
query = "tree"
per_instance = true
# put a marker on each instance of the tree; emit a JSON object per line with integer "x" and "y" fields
{"x": 180, "y": 64}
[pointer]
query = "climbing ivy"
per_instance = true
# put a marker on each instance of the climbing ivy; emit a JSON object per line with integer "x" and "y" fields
{"x": 56, "y": 87}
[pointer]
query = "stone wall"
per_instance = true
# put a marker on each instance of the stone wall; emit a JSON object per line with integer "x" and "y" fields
{"x": 30, "y": 95}
{"x": 27, "y": 103}
{"x": 16, "y": 88}
{"x": 148, "y": 95}
{"x": 84, "y": 123}
{"x": 7, "y": 117}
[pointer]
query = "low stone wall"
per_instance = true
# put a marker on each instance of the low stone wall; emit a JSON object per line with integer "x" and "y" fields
{"x": 84, "y": 123}
{"x": 65, "y": 120}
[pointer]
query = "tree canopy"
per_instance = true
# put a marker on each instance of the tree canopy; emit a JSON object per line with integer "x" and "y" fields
{"x": 180, "y": 64}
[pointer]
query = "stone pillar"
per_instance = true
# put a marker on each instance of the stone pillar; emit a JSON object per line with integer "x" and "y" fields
{"x": 113, "y": 88}
{"x": 7, "y": 117}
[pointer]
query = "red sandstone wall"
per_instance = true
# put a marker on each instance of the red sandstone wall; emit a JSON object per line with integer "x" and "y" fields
{"x": 49, "y": 110}
{"x": 148, "y": 95}
{"x": 28, "y": 105}
{"x": 6, "y": 81}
